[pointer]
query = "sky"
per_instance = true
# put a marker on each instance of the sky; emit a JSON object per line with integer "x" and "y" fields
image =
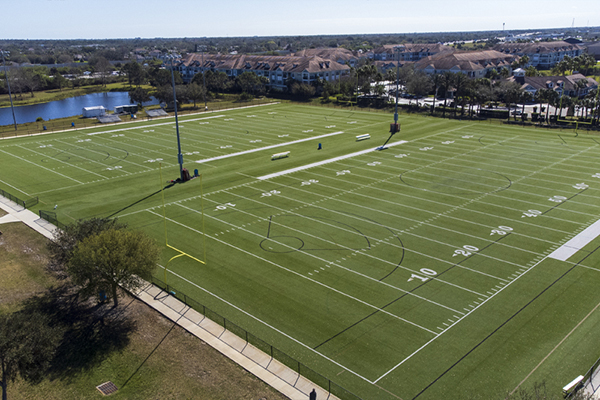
{"x": 107, "y": 19}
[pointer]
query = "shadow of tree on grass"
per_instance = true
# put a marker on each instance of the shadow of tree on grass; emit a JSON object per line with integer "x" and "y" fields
{"x": 90, "y": 331}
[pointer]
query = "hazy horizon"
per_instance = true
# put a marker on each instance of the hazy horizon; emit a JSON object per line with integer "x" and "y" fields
{"x": 111, "y": 19}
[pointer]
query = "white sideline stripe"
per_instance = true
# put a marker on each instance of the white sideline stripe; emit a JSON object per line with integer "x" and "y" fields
{"x": 316, "y": 164}
{"x": 153, "y": 125}
{"x": 267, "y": 147}
{"x": 564, "y": 252}
{"x": 454, "y": 323}
{"x": 246, "y": 312}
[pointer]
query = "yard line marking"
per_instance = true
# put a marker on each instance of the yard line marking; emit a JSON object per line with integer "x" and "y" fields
{"x": 267, "y": 147}
{"x": 459, "y": 320}
{"x": 266, "y": 324}
{"x": 7, "y": 184}
{"x": 555, "y": 347}
{"x": 300, "y": 275}
{"x": 348, "y": 269}
{"x": 405, "y": 231}
{"x": 316, "y": 164}
{"x": 41, "y": 166}
{"x": 100, "y": 152}
{"x": 362, "y": 253}
{"x": 153, "y": 125}
{"x": 64, "y": 162}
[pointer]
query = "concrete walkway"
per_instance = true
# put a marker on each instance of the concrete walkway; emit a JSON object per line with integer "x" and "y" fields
{"x": 269, "y": 370}
{"x": 591, "y": 387}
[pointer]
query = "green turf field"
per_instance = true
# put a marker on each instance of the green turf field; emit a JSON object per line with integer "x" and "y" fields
{"x": 426, "y": 270}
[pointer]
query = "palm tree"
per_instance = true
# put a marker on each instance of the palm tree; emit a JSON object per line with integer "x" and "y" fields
{"x": 437, "y": 80}
{"x": 460, "y": 84}
{"x": 448, "y": 79}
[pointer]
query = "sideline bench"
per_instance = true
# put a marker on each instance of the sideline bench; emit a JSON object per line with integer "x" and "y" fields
{"x": 277, "y": 156}
{"x": 570, "y": 388}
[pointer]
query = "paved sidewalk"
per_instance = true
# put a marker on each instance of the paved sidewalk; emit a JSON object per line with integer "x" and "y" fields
{"x": 269, "y": 370}
{"x": 591, "y": 387}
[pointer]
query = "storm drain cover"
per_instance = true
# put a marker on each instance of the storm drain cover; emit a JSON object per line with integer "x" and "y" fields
{"x": 107, "y": 388}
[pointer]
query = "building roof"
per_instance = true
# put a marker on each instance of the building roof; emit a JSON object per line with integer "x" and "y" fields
{"x": 467, "y": 61}
{"x": 328, "y": 53}
{"x": 265, "y": 63}
{"x": 414, "y": 48}
{"x": 541, "y": 82}
{"x": 537, "y": 47}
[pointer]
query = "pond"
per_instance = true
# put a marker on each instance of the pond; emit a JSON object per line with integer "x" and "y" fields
{"x": 65, "y": 108}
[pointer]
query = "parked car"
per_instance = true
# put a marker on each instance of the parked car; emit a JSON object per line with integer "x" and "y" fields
{"x": 517, "y": 112}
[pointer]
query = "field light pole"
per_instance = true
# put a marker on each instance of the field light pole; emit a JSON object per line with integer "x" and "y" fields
{"x": 12, "y": 108}
{"x": 397, "y": 50}
{"x": 179, "y": 155}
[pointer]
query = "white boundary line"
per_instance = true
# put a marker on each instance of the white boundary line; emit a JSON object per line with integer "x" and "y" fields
{"x": 267, "y": 147}
{"x": 564, "y": 252}
{"x": 151, "y": 126}
{"x": 316, "y": 164}
{"x": 459, "y": 320}
{"x": 252, "y": 316}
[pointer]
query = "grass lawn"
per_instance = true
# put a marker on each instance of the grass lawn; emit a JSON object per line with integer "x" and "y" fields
{"x": 425, "y": 270}
{"x": 152, "y": 358}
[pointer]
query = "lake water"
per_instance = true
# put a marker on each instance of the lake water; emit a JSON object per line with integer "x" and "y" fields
{"x": 65, "y": 108}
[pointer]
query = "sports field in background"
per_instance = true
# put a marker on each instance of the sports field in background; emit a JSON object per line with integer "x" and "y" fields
{"x": 441, "y": 267}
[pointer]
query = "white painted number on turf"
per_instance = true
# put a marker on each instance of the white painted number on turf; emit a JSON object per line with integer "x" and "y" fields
{"x": 501, "y": 230}
{"x": 424, "y": 271}
{"x": 402, "y": 155}
{"x": 344, "y": 172}
{"x": 272, "y": 192}
{"x": 581, "y": 186}
{"x": 467, "y": 136}
{"x": 426, "y": 148}
{"x": 308, "y": 182}
{"x": 465, "y": 251}
{"x": 113, "y": 168}
{"x": 374, "y": 163}
{"x": 596, "y": 175}
{"x": 557, "y": 199}
{"x": 531, "y": 213}
{"x": 448, "y": 142}
{"x": 225, "y": 206}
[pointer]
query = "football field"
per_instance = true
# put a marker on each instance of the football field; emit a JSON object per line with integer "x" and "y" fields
{"x": 458, "y": 262}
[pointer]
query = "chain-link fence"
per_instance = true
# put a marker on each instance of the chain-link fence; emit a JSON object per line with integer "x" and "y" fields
{"x": 32, "y": 201}
{"x": 266, "y": 348}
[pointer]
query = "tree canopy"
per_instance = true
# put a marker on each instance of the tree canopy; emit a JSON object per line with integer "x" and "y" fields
{"x": 114, "y": 257}
{"x": 27, "y": 344}
{"x": 62, "y": 247}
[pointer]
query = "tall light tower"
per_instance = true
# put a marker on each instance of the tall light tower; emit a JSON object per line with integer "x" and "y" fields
{"x": 12, "y": 108}
{"x": 396, "y": 128}
{"x": 179, "y": 155}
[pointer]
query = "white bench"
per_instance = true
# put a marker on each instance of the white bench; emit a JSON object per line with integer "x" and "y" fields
{"x": 277, "y": 156}
{"x": 573, "y": 385}
{"x": 363, "y": 137}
